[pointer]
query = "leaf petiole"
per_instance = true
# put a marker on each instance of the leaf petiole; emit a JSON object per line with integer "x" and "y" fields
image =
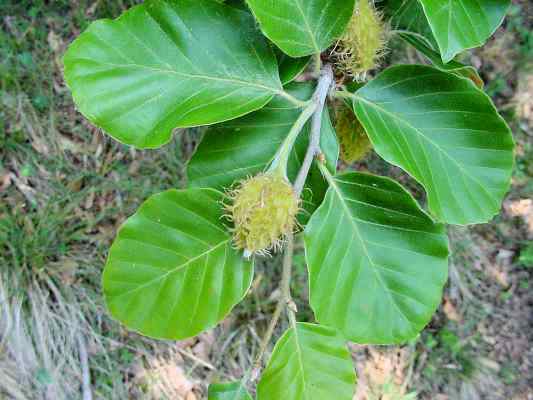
{"x": 315, "y": 110}
{"x": 344, "y": 94}
{"x": 319, "y": 98}
{"x": 281, "y": 159}
{"x": 326, "y": 174}
{"x": 297, "y": 102}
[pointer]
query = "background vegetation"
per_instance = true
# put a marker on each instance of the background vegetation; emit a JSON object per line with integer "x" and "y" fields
{"x": 65, "y": 188}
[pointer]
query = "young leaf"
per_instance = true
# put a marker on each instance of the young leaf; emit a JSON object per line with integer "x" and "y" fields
{"x": 463, "y": 24}
{"x": 168, "y": 64}
{"x": 302, "y": 27}
{"x": 172, "y": 271}
{"x": 228, "y": 391}
{"x": 246, "y": 146}
{"x": 377, "y": 263}
{"x": 444, "y": 132}
{"x": 453, "y": 66}
{"x": 310, "y": 362}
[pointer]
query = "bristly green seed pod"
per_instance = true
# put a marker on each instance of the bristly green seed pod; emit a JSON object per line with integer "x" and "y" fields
{"x": 362, "y": 45}
{"x": 263, "y": 210}
{"x": 353, "y": 140}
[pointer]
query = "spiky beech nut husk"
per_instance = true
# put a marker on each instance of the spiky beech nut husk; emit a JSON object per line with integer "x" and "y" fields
{"x": 353, "y": 140}
{"x": 263, "y": 210}
{"x": 362, "y": 45}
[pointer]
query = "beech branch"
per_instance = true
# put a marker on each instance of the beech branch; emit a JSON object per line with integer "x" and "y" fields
{"x": 319, "y": 98}
{"x": 285, "y": 301}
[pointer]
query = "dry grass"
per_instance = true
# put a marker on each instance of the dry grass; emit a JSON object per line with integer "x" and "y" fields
{"x": 42, "y": 337}
{"x": 65, "y": 187}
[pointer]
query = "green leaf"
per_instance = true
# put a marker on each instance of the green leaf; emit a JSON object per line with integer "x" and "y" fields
{"x": 244, "y": 147}
{"x": 455, "y": 67}
{"x": 377, "y": 263}
{"x": 172, "y": 271}
{"x": 235, "y": 3}
{"x": 290, "y": 68}
{"x": 408, "y": 15}
{"x": 228, "y": 391}
{"x": 302, "y": 27}
{"x": 310, "y": 362}
{"x": 463, "y": 24}
{"x": 526, "y": 256}
{"x": 444, "y": 132}
{"x": 168, "y": 64}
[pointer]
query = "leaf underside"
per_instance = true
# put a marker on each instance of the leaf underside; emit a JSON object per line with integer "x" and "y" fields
{"x": 309, "y": 363}
{"x": 168, "y": 64}
{"x": 444, "y": 132}
{"x": 377, "y": 263}
{"x": 453, "y": 66}
{"x": 172, "y": 271}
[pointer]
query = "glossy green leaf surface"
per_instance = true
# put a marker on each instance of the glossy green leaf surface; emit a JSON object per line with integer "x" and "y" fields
{"x": 172, "y": 271}
{"x": 168, "y": 64}
{"x": 302, "y": 27}
{"x": 310, "y": 362}
{"x": 458, "y": 25}
{"x": 453, "y": 66}
{"x": 444, "y": 132}
{"x": 377, "y": 263}
{"x": 246, "y": 146}
{"x": 228, "y": 391}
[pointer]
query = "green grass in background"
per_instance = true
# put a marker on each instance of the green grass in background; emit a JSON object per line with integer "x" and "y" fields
{"x": 65, "y": 188}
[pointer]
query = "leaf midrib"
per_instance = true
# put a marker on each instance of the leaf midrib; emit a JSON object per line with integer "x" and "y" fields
{"x": 308, "y": 27}
{"x": 338, "y": 192}
{"x": 186, "y": 75}
{"x": 434, "y": 144}
{"x": 173, "y": 270}
{"x": 300, "y": 360}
